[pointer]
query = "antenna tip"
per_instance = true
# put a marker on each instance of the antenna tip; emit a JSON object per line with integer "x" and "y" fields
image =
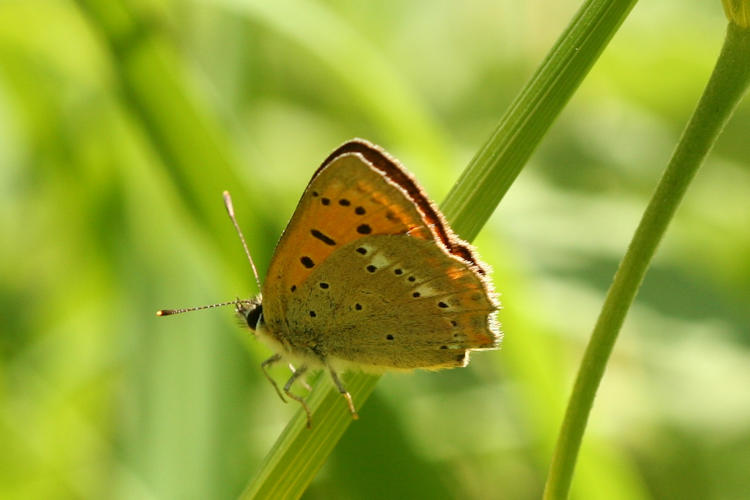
{"x": 228, "y": 203}
{"x": 164, "y": 312}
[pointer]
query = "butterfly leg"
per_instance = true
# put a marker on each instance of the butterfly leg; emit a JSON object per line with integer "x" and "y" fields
{"x": 302, "y": 382}
{"x": 288, "y": 391}
{"x": 264, "y": 365}
{"x": 344, "y": 392}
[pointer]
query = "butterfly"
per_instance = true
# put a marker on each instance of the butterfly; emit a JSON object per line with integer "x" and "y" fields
{"x": 369, "y": 276}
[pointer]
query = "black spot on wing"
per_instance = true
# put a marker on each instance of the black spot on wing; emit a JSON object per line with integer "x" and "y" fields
{"x": 322, "y": 237}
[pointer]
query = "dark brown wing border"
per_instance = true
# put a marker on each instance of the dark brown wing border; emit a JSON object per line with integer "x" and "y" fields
{"x": 393, "y": 170}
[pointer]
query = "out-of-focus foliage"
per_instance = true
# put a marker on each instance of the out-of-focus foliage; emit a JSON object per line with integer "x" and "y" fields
{"x": 98, "y": 398}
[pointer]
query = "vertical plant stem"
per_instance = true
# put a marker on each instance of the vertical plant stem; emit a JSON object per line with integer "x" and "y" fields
{"x": 725, "y": 88}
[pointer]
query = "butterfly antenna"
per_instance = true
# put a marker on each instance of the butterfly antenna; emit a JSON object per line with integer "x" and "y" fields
{"x": 170, "y": 312}
{"x": 230, "y": 211}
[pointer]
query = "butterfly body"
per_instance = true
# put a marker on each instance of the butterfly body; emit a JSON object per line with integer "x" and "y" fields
{"x": 368, "y": 276}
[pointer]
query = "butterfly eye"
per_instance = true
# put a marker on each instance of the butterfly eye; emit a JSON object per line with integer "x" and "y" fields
{"x": 253, "y": 317}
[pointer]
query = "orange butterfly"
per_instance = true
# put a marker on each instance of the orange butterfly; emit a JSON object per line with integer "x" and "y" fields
{"x": 368, "y": 275}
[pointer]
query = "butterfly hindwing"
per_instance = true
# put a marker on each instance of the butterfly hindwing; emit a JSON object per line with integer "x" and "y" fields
{"x": 394, "y": 302}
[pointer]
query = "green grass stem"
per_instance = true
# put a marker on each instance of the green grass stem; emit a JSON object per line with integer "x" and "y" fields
{"x": 727, "y": 85}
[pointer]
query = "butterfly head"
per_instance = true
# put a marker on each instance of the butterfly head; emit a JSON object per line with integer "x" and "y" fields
{"x": 251, "y": 312}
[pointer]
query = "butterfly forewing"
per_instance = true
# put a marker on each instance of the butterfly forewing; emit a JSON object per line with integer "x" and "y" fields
{"x": 346, "y": 200}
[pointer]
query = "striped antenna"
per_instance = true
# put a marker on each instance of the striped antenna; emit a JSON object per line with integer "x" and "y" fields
{"x": 236, "y": 302}
{"x": 230, "y": 211}
{"x": 170, "y": 312}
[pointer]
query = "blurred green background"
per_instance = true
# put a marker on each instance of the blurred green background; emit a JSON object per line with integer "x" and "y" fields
{"x": 120, "y": 124}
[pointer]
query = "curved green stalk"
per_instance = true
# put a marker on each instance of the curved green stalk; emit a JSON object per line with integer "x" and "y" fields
{"x": 725, "y": 88}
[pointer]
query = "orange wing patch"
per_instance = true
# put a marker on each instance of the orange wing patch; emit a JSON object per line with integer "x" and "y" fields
{"x": 346, "y": 200}
{"x": 394, "y": 172}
